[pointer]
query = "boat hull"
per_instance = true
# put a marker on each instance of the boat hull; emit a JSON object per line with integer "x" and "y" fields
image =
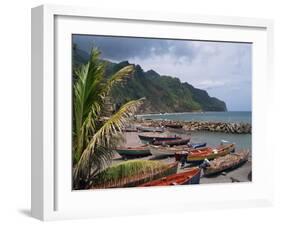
{"x": 174, "y": 126}
{"x": 150, "y": 129}
{"x": 171, "y": 142}
{"x": 229, "y": 162}
{"x": 133, "y": 153}
{"x": 195, "y": 179}
{"x": 199, "y": 155}
{"x": 156, "y": 138}
{"x": 197, "y": 145}
{"x": 167, "y": 151}
{"x": 191, "y": 176}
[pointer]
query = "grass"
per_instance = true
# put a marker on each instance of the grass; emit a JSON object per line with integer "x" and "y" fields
{"x": 127, "y": 172}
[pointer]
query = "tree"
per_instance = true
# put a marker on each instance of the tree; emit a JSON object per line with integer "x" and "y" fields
{"x": 95, "y": 136}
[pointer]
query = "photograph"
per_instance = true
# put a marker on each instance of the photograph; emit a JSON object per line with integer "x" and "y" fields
{"x": 150, "y": 111}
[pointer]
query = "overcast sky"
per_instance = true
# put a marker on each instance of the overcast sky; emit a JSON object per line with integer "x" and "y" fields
{"x": 223, "y": 69}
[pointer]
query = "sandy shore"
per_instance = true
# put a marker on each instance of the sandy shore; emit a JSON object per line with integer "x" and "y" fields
{"x": 237, "y": 175}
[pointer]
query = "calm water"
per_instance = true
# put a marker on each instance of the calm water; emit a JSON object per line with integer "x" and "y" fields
{"x": 242, "y": 141}
{"x": 212, "y": 138}
{"x": 230, "y": 116}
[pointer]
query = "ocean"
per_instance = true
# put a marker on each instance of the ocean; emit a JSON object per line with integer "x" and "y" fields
{"x": 212, "y": 138}
{"x": 229, "y": 116}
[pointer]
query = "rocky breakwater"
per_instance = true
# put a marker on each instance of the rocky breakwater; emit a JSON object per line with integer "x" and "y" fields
{"x": 223, "y": 127}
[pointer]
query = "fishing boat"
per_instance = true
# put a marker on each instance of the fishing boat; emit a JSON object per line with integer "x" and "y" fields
{"x": 105, "y": 180}
{"x": 133, "y": 152}
{"x": 170, "y": 151}
{"x": 191, "y": 176}
{"x": 173, "y": 125}
{"x": 200, "y": 154}
{"x": 170, "y": 142}
{"x": 196, "y": 145}
{"x": 129, "y": 130}
{"x": 152, "y": 137}
{"x": 227, "y": 162}
{"x": 167, "y": 150}
{"x": 150, "y": 129}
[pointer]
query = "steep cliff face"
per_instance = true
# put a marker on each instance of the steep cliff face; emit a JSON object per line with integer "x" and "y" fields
{"x": 163, "y": 93}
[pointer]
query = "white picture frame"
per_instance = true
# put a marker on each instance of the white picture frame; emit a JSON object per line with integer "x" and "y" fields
{"x": 52, "y": 197}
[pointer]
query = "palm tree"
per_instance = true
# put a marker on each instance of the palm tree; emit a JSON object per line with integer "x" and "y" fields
{"x": 95, "y": 136}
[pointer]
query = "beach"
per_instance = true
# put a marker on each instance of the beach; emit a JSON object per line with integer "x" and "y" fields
{"x": 213, "y": 139}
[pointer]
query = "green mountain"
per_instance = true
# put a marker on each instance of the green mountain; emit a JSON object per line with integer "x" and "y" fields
{"x": 163, "y": 93}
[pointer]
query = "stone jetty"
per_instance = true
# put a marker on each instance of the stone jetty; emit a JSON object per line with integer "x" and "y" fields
{"x": 223, "y": 127}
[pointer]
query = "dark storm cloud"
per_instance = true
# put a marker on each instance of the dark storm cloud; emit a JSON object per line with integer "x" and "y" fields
{"x": 123, "y": 48}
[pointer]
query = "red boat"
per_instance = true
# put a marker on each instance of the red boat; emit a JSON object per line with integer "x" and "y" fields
{"x": 198, "y": 155}
{"x": 191, "y": 176}
{"x": 171, "y": 142}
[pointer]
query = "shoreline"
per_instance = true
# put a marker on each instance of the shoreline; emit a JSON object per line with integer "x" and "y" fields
{"x": 239, "y": 174}
{"x": 212, "y": 126}
{"x": 184, "y": 112}
{"x": 197, "y": 134}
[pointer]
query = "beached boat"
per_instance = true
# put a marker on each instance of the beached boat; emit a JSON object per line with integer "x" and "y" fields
{"x": 170, "y": 151}
{"x": 173, "y": 125}
{"x": 170, "y": 142}
{"x": 228, "y": 162}
{"x": 200, "y": 154}
{"x": 191, "y": 176}
{"x": 196, "y": 145}
{"x": 152, "y": 137}
{"x": 150, "y": 129}
{"x": 133, "y": 152}
{"x": 167, "y": 151}
{"x": 130, "y": 130}
{"x": 118, "y": 177}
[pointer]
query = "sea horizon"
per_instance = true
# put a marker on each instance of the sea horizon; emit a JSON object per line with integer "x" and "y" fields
{"x": 220, "y": 116}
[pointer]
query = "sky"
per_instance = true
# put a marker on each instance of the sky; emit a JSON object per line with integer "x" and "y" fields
{"x": 223, "y": 69}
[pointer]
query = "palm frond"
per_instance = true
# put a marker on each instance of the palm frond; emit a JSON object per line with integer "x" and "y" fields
{"x": 90, "y": 91}
{"x": 119, "y": 77}
{"x": 103, "y": 138}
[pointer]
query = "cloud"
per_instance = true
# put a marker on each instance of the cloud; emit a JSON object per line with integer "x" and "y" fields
{"x": 209, "y": 84}
{"x": 223, "y": 69}
{"x": 123, "y": 48}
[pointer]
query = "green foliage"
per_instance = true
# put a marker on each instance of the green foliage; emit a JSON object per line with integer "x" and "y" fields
{"x": 163, "y": 93}
{"x": 94, "y": 136}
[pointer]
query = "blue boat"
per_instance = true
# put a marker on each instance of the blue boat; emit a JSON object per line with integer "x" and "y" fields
{"x": 196, "y": 145}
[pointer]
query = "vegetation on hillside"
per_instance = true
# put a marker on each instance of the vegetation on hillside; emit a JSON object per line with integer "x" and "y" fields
{"x": 162, "y": 93}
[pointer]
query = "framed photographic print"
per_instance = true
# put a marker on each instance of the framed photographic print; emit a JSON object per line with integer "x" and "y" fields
{"x": 135, "y": 112}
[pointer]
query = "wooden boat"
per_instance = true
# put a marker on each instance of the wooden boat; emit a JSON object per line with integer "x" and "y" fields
{"x": 196, "y": 145}
{"x": 149, "y": 138}
{"x": 200, "y": 154}
{"x": 171, "y": 142}
{"x": 133, "y": 152}
{"x": 150, "y": 129}
{"x": 191, "y": 176}
{"x": 141, "y": 178}
{"x": 170, "y": 151}
{"x": 226, "y": 162}
{"x": 173, "y": 125}
{"x": 130, "y": 130}
{"x": 167, "y": 151}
